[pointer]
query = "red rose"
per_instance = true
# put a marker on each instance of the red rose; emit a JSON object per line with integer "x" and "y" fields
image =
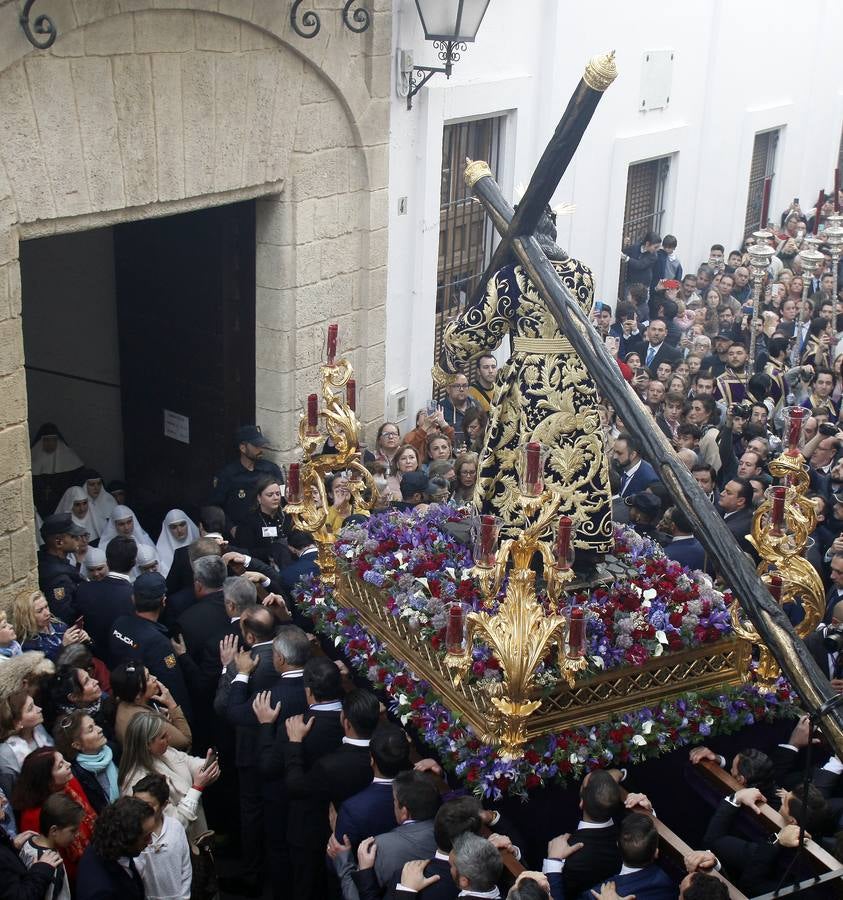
{"x": 532, "y": 757}
{"x": 532, "y": 781}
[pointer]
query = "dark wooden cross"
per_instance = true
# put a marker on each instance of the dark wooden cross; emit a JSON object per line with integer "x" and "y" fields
{"x": 517, "y": 238}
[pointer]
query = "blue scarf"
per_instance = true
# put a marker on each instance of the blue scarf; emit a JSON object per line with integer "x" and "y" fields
{"x": 97, "y": 763}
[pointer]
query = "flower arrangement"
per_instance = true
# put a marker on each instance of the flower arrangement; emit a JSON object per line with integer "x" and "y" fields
{"x": 420, "y": 567}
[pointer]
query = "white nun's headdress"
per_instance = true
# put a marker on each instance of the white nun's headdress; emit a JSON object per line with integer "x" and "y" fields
{"x": 93, "y": 558}
{"x": 88, "y": 522}
{"x": 167, "y": 543}
{"x": 62, "y": 459}
{"x": 102, "y": 505}
{"x": 120, "y": 514}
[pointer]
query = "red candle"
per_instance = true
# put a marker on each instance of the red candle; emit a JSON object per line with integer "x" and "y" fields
{"x": 837, "y": 190}
{"x": 776, "y": 588}
{"x": 455, "y": 629}
{"x": 487, "y": 535}
{"x": 777, "y": 513}
{"x": 293, "y": 483}
{"x": 312, "y": 412}
{"x": 332, "y": 342}
{"x": 534, "y": 456}
{"x": 765, "y": 202}
{"x": 563, "y": 542}
{"x": 797, "y": 414}
{"x": 576, "y": 632}
{"x": 818, "y": 210}
{"x": 351, "y": 394}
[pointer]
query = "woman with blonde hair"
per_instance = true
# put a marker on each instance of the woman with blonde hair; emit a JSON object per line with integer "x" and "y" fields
{"x": 465, "y": 475}
{"x": 38, "y": 629}
{"x": 147, "y": 751}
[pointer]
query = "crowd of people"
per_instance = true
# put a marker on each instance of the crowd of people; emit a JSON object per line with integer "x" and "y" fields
{"x": 163, "y": 705}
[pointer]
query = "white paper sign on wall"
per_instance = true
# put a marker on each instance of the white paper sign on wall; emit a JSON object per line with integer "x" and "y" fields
{"x": 176, "y": 426}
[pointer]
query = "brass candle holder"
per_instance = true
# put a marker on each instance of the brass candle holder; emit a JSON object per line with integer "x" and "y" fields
{"x": 309, "y": 510}
{"x": 780, "y": 530}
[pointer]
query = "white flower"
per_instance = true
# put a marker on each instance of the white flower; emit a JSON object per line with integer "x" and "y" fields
{"x": 650, "y": 594}
{"x": 450, "y": 572}
{"x": 399, "y": 555}
{"x": 574, "y": 759}
{"x": 338, "y": 640}
{"x": 639, "y": 740}
{"x": 349, "y": 554}
{"x": 637, "y": 589}
{"x": 646, "y": 604}
{"x": 598, "y": 661}
{"x": 658, "y": 650}
{"x": 661, "y": 637}
{"x": 423, "y": 583}
{"x": 647, "y": 726}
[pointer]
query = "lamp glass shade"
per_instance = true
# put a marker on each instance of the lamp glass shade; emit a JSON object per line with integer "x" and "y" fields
{"x": 451, "y": 20}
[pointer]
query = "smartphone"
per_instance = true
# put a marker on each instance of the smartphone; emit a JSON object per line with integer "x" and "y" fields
{"x": 80, "y": 622}
{"x": 211, "y": 760}
{"x": 431, "y": 407}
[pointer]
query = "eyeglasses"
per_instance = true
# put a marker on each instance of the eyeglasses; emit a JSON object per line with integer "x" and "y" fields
{"x": 461, "y": 387}
{"x": 389, "y": 434}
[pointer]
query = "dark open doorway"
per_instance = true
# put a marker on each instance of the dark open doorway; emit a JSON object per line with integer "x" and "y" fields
{"x": 140, "y": 344}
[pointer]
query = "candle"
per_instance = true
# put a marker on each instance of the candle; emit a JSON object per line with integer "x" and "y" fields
{"x": 576, "y": 632}
{"x": 487, "y": 535}
{"x": 455, "y": 629}
{"x": 797, "y": 414}
{"x": 777, "y": 513}
{"x": 293, "y": 484}
{"x": 534, "y": 455}
{"x": 312, "y": 412}
{"x": 765, "y": 202}
{"x": 775, "y": 588}
{"x": 351, "y": 394}
{"x": 563, "y": 542}
{"x": 837, "y": 190}
{"x": 818, "y": 210}
{"x": 332, "y": 342}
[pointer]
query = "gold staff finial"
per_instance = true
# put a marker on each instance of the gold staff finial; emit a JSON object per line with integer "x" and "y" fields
{"x": 601, "y": 71}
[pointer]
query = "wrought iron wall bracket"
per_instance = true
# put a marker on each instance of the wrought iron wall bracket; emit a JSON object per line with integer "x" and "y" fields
{"x": 449, "y": 52}
{"x": 310, "y": 25}
{"x": 43, "y": 24}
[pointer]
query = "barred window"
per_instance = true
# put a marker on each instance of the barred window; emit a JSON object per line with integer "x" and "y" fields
{"x": 466, "y": 235}
{"x": 761, "y": 168}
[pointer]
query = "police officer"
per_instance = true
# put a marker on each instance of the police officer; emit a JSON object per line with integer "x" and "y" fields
{"x": 234, "y": 486}
{"x": 142, "y": 638}
{"x": 57, "y": 578}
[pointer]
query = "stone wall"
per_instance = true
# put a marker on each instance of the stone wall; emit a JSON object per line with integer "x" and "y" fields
{"x": 147, "y": 107}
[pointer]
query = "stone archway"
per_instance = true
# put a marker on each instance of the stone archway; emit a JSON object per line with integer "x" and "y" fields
{"x": 139, "y": 112}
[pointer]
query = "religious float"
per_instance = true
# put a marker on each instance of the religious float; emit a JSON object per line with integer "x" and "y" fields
{"x": 484, "y": 637}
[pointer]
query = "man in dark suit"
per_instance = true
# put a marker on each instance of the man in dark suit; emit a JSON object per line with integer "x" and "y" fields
{"x": 635, "y": 473}
{"x": 141, "y": 637}
{"x": 302, "y": 546}
{"x": 103, "y": 602}
{"x": 824, "y": 645}
{"x": 735, "y": 505}
{"x": 835, "y": 592}
{"x": 121, "y": 833}
{"x": 640, "y": 874}
{"x": 641, "y": 260}
{"x": 684, "y": 547}
{"x": 655, "y": 349}
{"x": 591, "y": 853}
{"x": 319, "y": 731}
{"x": 58, "y": 579}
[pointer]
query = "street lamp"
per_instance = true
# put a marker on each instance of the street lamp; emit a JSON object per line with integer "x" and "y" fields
{"x": 450, "y": 25}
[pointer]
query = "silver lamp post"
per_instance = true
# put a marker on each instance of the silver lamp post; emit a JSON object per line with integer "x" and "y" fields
{"x": 833, "y": 236}
{"x": 760, "y": 254}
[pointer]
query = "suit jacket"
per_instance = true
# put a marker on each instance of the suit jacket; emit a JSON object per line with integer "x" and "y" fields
{"x": 401, "y": 845}
{"x": 665, "y": 353}
{"x": 102, "y": 603}
{"x": 247, "y": 733}
{"x": 832, "y": 598}
{"x": 740, "y": 524}
{"x": 289, "y": 575}
{"x": 181, "y": 572}
{"x": 649, "y": 883}
{"x": 688, "y": 552}
{"x": 101, "y": 879}
{"x": 598, "y": 860}
{"x": 367, "y": 813}
{"x": 815, "y": 643}
{"x": 325, "y": 737}
{"x": 644, "y": 475}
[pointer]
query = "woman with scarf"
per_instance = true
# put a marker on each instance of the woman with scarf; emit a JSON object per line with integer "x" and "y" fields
{"x": 81, "y": 741}
{"x": 76, "y": 689}
{"x": 177, "y": 530}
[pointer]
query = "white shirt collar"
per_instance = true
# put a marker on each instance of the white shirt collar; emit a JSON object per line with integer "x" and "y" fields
{"x": 260, "y": 644}
{"x": 682, "y": 537}
{"x": 119, "y": 575}
{"x": 327, "y": 706}
{"x": 308, "y": 551}
{"x": 293, "y": 673}
{"x": 492, "y": 895}
{"x": 584, "y": 825}
{"x": 632, "y": 469}
{"x": 377, "y": 780}
{"x": 442, "y": 857}
{"x": 629, "y": 870}
{"x": 235, "y": 619}
{"x": 355, "y": 742}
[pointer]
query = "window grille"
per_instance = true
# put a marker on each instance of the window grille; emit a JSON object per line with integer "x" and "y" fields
{"x": 761, "y": 168}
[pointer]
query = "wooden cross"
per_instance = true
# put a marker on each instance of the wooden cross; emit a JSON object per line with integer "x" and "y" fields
{"x": 517, "y": 237}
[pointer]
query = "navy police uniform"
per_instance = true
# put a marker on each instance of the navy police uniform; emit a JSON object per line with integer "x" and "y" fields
{"x": 234, "y": 486}
{"x": 58, "y": 579}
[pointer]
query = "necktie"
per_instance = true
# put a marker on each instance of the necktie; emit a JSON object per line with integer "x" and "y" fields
{"x": 624, "y": 481}
{"x": 651, "y": 352}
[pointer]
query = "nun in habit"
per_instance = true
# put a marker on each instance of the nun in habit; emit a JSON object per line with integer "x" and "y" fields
{"x": 147, "y": 562}
{"x": 124, "y": 521}
{"x": 55, "y": 467}
{"x": 178, "y": 530}
{"x": 100, "y": 502}
{"x": 76, "y": 502}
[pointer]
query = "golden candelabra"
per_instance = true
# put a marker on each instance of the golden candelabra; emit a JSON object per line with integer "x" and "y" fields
{"x": 309, "y": 512}
{"x": 520, "y": 632}
{"x": 780, "y": 530}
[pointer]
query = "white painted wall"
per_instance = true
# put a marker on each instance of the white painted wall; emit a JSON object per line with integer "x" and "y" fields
{"x": 739, "y": 68}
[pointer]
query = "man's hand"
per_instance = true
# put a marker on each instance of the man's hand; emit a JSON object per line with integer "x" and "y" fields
{"x": 608, "y": 892}
{"x": 617, "y": 775}
{"x": 335, "y": 848}
{"x": 228, "y": 650}
{"x": 298, "y": 729}
{"x": 277, "y": 605}
{"x": 263, "y": 709}
{"x": 701, "y": 754}
{"x": 500, "y": 842}
{"x": 366, "y": 853}
{"x": 638, "y": 801}
{"x": 255, "y": 577}
{"x": 413, "y": 877}
{"x": 179, "y": 646}
{"x": 700, "y": 861}
{"x": 801, "y": 734}
{"x": 789, "y": 836}
{"x": 332, "y": 816}
{"x": 751, "y": 798}
{"x": 837, "y": 685}
{"x": 246, "y": 663}
{"x": 51, "y": 858}
{"x": 236, "y": 561}
{"x": 559, "y": 848}
{"x": 429, "y": 765}
{"x": 539, "y": 877}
